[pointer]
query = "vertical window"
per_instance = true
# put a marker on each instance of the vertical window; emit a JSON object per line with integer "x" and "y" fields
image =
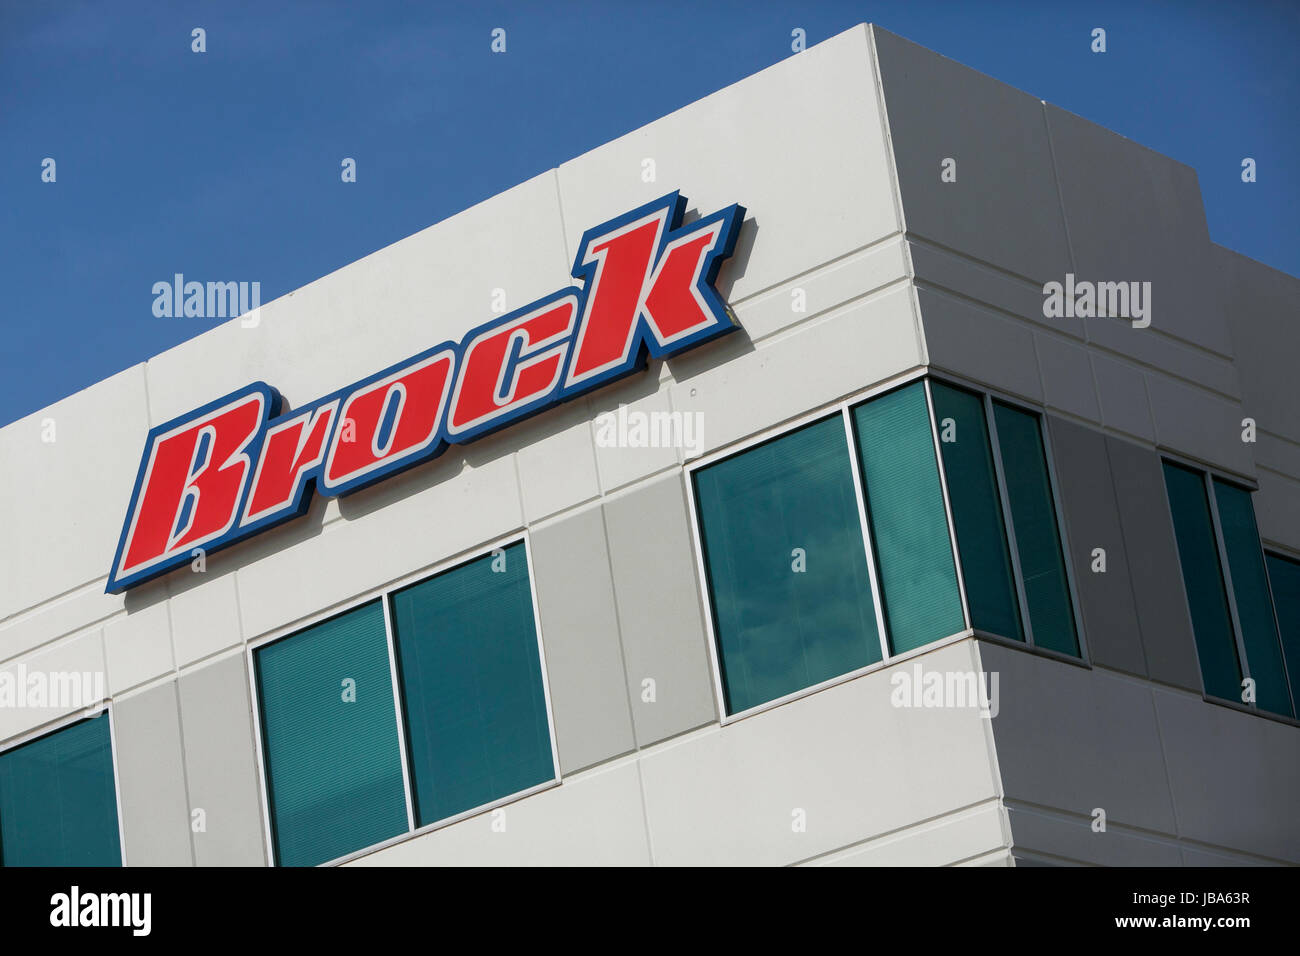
{"x": 1246, "y": 571}
{"x": 465, "y": 654}
{"x": 1034, "y": 529}
{"x": 1207, "y": 596}
{"x": 472, "y": 686}
{"x": 1235, "y": 618}
{"x": 787, "y": 571}
{"x": 329, "y": 730}
{"x": 1284, "y": 582}
{"x": 909, "y": 523}
{"x": 977, "y": 511}
{"x": 58, "y": 802}
{"x": 1004, "y": 516}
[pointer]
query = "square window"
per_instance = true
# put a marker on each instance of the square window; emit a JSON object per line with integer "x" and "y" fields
{"x": 329, "y": 738}
{"x": 472, "y": 691}
{"x": 58, "y": 799}
{"x": 787, "y": 571}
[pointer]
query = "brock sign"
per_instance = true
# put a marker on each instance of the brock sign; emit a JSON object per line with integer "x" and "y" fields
{"x": 240, "y": 464}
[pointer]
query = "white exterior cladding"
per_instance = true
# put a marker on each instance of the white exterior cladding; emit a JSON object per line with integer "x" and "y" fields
{"x": 836, "y": 154}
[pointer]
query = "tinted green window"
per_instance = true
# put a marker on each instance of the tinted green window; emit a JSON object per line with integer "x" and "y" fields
{"x": 909, "y": 524}
{"x": 1250, "y": 590}
{"x": 1038, "y": 538}
{"x": 58, "y": 804}
{"x": 1207, "y": 599}
{"x": 471, "y": 679}
{"x": 977, "y": 511}
{"x": 786, "y": 566}
{"x": 329, "y": 733}
{"x": 1284, "y": 582}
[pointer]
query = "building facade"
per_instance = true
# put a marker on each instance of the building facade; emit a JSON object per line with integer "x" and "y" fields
{"x": 919, "y": 565}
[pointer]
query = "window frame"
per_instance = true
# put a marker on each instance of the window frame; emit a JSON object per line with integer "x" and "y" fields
{"x": 991, "y": 396}
{"x": 988, "y": 395}
{"x": 1286, "y": 554}
{"x": 1209, "y": 474}
{"x": 63, "y": 723}
{"x": 947, "y": 504}
{"x": 1279, "y": 550}
{"x": 843, "y": 408}
{"x": 383, "y": 594}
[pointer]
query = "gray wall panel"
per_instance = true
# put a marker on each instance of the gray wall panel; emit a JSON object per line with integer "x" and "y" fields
{"x": 1074, "y": 839}
{"x": 1076, "y": 739}
{"x": 1277, "y": 509}
{"x": 659, "y": 610}
{"x": 1003, "y": 207}
{"x": 1092, "y": 521}
{"x": 980, "y": 344}
{"x": 1236, "y": 776}
{"x": 1135, "y": 215}
{"x": 584, "y": 661}
{"x": 1265, "y": 321}
{"x": 1152, "y": 555}
{"x": 151, "y": 779}
{"x": 221, "y": 763}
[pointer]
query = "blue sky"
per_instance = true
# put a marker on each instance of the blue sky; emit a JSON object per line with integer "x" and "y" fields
{"x": 225, "y": 165}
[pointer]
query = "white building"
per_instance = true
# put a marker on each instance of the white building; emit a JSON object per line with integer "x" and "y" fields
{"x": 759, "y": 641}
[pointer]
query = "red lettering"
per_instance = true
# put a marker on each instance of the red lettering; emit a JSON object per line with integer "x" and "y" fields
{"x": 491, "y": 385}
{"x": 419, "y": 392}
{"x": 176, "y": 477}
{"x": 288, "y": 451}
